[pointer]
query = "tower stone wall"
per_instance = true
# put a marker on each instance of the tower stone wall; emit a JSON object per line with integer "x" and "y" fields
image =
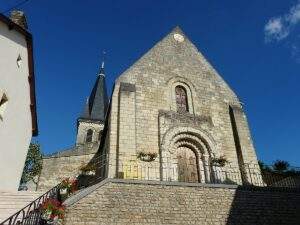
{"x": 83, "y": 127}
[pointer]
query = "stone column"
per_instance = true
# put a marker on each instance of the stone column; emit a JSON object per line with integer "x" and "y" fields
{"x": 126, "y": 146}
{"x": 206, "y": 168}
{"x": 244, "y": 146}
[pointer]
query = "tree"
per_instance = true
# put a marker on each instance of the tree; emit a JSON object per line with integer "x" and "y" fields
{"x": 262, "y": 165}
{"x": 33, "y": 164}
{"x": 280, "y": 165}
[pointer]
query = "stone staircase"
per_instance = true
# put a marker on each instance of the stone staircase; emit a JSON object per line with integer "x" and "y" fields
{"x": 12, "y": 202}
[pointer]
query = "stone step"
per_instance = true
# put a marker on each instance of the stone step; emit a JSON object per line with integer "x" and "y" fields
{"x": 12, "y": 202}
{"x": 21, "y": 199}
{"x": 21, "y": 193}
{"x": 20, "y": 196}
{"x": 19, "y": 205}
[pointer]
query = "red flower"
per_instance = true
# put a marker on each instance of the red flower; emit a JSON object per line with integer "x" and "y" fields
{"x": 55, "y": 207}
{"x": 70, "y": 185}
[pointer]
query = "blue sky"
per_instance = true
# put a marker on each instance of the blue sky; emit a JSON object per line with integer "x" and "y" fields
{"x": 254, "y": 45}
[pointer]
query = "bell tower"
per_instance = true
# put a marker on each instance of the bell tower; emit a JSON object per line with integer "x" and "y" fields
{"x": 91, "y": 123}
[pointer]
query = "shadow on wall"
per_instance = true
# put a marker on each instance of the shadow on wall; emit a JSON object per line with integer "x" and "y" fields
{"x": 265, "y": 206}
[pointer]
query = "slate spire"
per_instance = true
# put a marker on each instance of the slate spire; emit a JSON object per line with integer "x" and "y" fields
{"x": 96, "y": 105}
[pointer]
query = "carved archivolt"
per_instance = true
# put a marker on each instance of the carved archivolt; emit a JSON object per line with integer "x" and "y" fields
{"x": 182, "y": 138}
{"x": 178, "y": 136}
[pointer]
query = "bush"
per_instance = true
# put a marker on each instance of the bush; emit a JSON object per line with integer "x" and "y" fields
{"x": 33, "y": 164}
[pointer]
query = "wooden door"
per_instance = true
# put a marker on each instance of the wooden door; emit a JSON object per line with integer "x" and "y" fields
{"x": 187, "y": 165}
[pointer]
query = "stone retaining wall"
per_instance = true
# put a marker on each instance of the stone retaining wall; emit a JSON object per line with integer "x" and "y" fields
{"x": 55, "y": 169}
{"x": 116, "y": 202}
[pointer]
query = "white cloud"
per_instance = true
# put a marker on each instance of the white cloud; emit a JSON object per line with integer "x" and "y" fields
{"x": 275, "y": 29}
{"x": 295, "y": 52}
{"x": 294, "y": 16}
{"x": 279, "y": 28}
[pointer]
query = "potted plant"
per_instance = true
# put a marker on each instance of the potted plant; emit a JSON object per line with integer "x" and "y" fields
{"x": 53, "y": 211}
{"x": 220, "y": 161}
{"x": 68, "y": 186}
{"x": 147, "y": 156}
{"x": 89, "y": 169}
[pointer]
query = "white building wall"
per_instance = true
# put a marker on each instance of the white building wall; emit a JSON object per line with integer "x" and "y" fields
{"x": 16, "y": 125}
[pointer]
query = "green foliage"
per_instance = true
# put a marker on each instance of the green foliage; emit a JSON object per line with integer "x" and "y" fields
{"x": 280, "y": 165}
{"x": 33, "y": 164}
{"x": 263, "y": 167}
{"x": 261, "y": 164}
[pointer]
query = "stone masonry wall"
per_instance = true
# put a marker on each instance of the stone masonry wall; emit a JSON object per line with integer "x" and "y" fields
{"x": 55, "y": 169}
{"x": 120, "y": 202}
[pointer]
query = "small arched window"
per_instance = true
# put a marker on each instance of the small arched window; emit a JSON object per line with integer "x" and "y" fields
{"x": 181, "y": 99}
{"x": 89, "y": 136}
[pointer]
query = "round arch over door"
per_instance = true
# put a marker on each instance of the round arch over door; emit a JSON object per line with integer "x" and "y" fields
{"x": 185, "y": 155}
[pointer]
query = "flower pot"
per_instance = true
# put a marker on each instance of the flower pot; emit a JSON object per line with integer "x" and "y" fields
{"x": 63, "y": 191}
{"x": 146, "y": 157}
{"x": 90, "y": 173}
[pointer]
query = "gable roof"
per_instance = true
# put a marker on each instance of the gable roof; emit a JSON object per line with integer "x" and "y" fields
{"x": 175, "y": 55}
{"x": 31, "y": 78}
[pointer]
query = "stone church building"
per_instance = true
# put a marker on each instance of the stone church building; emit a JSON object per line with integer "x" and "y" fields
{"x": 173, "y": 103}
{"x": 171, "y": 118}
{"x": 171, "y": 146}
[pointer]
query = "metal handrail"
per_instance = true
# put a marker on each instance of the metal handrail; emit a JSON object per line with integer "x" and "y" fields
{"x": 25, "y": 213}
{"x": 228, "y": 174}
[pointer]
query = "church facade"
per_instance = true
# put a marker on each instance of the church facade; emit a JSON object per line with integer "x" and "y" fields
{"x": 173, "y": 118}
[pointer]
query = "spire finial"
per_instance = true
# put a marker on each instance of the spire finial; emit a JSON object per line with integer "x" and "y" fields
{"x": 101, "y": 72}
{"x": 103, "y": 58}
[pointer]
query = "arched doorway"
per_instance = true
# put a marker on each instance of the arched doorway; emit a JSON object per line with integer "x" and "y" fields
{"x": 185, "y": 155}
